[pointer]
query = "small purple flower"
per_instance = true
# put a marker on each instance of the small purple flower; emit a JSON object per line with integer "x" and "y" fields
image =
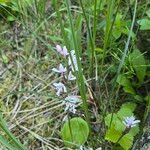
{"x": 60, "y": 69}
{"x": 63, "y": 51}
{"x": 60, "y": 87}
{"x": 71, "y": 77}
{"x": 130, "y": 122}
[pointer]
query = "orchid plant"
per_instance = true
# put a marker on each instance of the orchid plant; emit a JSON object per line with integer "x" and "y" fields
{"x": 75, "y": 130}
{"x": 70, "y": 101}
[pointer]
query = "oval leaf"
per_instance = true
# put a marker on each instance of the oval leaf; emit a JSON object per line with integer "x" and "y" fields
{"x": 75, "y": 132}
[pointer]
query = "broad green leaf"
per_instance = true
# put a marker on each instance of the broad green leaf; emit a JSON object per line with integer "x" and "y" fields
{"x": 144, "y": 24}
{"x": 138, "y": 63}
{"x": 110, "y": 118}
{"x": 113, "y": 135}
{"x": 126, "y": 141}
{"x": 119, "y": 25}
{"x": 75, "y": 132}
{"x": 125, "y": 82}
{"x": 126, "y": 110}
{"x": 134, "y": 131}
{"x": 129, "y": 105}
{"x": 116, "y": 122}
{"x": 119, "y": 126}
{"x": 116, "y": 33}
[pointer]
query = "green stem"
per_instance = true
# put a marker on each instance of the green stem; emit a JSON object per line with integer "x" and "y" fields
{"x": 91, "y": 39}
{"x": 80, "y": 80}
{"x": 63, "y": 33}
{"x": 3, "y": 126}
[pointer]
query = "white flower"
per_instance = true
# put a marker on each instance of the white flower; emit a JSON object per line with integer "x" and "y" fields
{"x": 71, "y": 103}
{"x": 71, "y": 76}
{"x": 60, "y": 69}
{"x": 73, "y": 61}
{"x": 63, "y": 51}
{"x": 72, "y": 99}
{"x": 60, "y": 87}
{"x": 70, "y": 107}
{"x": 130, "y": 122}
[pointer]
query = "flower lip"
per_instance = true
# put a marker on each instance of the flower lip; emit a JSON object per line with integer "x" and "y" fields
{"x": 71, "y": 77}
{"x": 60, "y": 69}
{"x": 130, "y": 122}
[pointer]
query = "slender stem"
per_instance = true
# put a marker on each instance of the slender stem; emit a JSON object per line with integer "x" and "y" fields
{"x": 91, "y": 39}
{"x": 128, "y": 41}
{"x": 60, "y": 22}
{"x": 80, "y": 80}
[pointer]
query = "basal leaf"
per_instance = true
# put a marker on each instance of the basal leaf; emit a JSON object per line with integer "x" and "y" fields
{"x": 75, "y": 132}
{"x": 110, "y": 118}
{"x": 134, "y": 131}
{"x": 124, "y": 112}
{"x": 129, "y": 105}
{"x": 126, "y": 141}
{"x": 113, "y": 135}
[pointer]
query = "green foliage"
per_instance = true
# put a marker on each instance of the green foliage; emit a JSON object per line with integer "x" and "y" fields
{"x": 119, "y": 26}
{"x": 125, "y": 82}
{"x": 145, "y": 22}
{"x": 137, "y": 68}
{"x": 116, "y": 128}
{"x": 75, "y": 132}
{"x": 11, "y": 8}
{"x": 138, "y": 63}
{"x": 15, "y": 143}
{"x": 4, "y": 2}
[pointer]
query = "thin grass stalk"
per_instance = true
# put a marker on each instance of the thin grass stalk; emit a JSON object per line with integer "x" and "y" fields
{"x": 128, "y": 42}
{"x": 95, "y": 21}
{"x": 108, "y": 27}
{"x": 80, "y": 80}
{"x": 6, "y": 143}
{"x": 63, "y": 33}
{"x": 3, "y": 126}
{"x": 92, "y": 46}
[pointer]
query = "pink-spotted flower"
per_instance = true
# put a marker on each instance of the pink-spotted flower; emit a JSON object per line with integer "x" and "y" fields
{"x": 71, "y": 103}
{"x": 61, "y": 69}
{"x": 130, "y": 122}
{"x": 63, "y": 51}
{"x": 60, "y": 87}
